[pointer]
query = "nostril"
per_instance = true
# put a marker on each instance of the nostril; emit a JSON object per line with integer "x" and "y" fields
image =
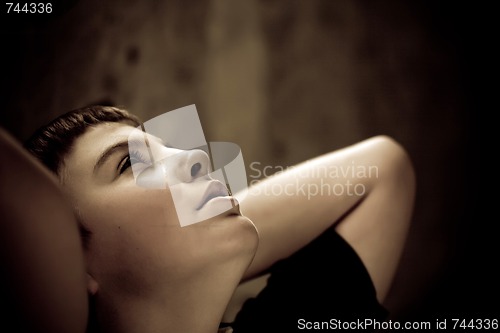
{"x": 195, "y": 169}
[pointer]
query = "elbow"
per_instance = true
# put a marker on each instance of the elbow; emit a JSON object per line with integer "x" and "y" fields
{"x": 396, "y": 166}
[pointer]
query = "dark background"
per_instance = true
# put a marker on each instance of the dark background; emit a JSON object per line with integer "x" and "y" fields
{"x": 288, "y": 80}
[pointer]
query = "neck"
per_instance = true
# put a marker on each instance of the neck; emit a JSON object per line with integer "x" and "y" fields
{"x": 195, "y": 307}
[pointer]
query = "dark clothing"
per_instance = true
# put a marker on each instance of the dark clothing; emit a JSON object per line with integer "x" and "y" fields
{"x": 323, "y": 282}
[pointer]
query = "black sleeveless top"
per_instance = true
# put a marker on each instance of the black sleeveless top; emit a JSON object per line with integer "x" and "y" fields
{"x": 322, "y": 285}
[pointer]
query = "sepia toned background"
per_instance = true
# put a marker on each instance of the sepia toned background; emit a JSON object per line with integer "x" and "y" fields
{"x": 288, "y": 80}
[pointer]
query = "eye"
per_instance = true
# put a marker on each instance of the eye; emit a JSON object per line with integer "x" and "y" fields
{"x": 129, "y": 160}
{"x": 125, "y": 164}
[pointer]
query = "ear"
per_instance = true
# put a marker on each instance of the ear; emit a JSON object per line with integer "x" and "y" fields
{"x": 92, "y": 285}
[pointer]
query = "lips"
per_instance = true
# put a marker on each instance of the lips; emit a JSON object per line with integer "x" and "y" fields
{"x": 215, "y": 189}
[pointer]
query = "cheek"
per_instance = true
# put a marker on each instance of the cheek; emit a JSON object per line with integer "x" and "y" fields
{"x": 128, "y": 208}
{"x": 123, "y": 216}
{"x": 136, "y": 234}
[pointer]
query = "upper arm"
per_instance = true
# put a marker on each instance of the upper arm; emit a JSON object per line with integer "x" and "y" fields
{"x": 358, "y": 189}
{"x": 43, "y": 278}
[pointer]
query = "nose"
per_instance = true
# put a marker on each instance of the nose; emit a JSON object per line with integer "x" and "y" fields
{"x": 192, "y": 164}
{"x": 181, "y": 167}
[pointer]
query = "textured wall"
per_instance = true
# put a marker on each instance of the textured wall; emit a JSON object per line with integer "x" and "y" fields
{"x": 286, "y": 80}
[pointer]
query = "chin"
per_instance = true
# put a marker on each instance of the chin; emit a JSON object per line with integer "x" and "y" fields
{"x": 234, "y": 233}
{"x": 246, "y": 231}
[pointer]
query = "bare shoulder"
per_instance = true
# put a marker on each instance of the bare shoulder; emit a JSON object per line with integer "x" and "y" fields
{"x": 43, "y": 277}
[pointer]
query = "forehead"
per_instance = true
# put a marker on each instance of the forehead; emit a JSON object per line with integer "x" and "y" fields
{"x": 97, "y": 138}
{"x": 93, "y": 142}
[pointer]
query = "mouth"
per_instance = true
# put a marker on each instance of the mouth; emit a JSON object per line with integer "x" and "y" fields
{"x": 215, "y": 189}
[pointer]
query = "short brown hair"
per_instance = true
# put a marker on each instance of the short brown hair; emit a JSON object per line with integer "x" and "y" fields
{"x": 52, "y": 142}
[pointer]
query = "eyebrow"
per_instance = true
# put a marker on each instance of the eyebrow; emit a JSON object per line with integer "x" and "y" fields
{"x": 124, "y": 144}
{"x": 103, "y": 158}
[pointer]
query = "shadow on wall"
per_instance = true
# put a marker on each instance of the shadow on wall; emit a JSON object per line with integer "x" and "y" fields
{"x": 286, "y": 81}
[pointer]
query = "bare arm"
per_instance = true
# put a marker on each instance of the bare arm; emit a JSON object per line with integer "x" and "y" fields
{"x": 43, "y": 279}
{"x": 365, "y": 191}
